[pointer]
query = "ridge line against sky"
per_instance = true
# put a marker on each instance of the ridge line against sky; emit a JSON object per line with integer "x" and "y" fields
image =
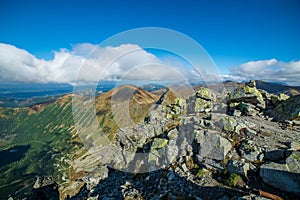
{"x": 246, "y": 39}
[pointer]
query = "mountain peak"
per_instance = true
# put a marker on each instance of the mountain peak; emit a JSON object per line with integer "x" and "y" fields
{"x": 130, "y": 92}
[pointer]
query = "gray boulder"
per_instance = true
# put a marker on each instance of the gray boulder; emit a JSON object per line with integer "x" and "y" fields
{"x": 249, "y": 151}
{"x": 206, "y": 94}
{"x": 287, "y": 110}
{"x": 275, "y": 155}
{"x": 171, "y": 151}
{"x": 211, "y": 145}
{"x": 133, "y": 138}
{"x": 201, "y": 102}
{"x": 202, "y": 105}
{"x": 248, "y": 95}
{"x": 228, "y": 124}
{"x": 283, "y": 176}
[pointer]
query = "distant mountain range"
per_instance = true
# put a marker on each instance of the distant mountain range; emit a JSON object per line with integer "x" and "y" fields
{"x": 277, "y": 88}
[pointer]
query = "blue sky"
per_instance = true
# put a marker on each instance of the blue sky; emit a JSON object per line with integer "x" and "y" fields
{"x": 233, "y": 32}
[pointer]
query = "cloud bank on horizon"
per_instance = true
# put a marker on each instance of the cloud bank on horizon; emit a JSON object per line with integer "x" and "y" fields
{"x": 270, "y": 70}
{"x": 130, "y": 62}
{"x": 88, "y": 63}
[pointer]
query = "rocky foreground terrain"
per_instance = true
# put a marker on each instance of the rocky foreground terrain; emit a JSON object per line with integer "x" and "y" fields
{"x": 239, "y": 143}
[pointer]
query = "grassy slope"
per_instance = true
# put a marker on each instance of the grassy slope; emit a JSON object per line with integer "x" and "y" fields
{"x": 49, "y": 131}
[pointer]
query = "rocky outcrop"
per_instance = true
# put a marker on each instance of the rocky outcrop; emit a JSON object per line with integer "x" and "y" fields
{"x": 211, "y": 145}
{"x": 205, "y": 94}
{"x": 94, "y": 178}
{"x": 287, "y": 110}
{"x": 196, "y": 131}
{"x": 247, "y": 94}
{"x": 190, "y": 144}
{"x": 45, "y": 188}
{"x": 202, "y": 101}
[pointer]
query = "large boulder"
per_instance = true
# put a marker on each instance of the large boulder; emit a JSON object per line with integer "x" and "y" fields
{"x": 275, "y": 100}
{"x": 202, "y": 105}
{"x": 228, "y": 124}
{"x": 202, "y": 101}
{"x": 283, "y": 97}
{"x": 135, "y": 138}
{"x": 206, "y": 94}
{"x": 211, "y": 145}
{"x": 196, "y": 105}
{"x": 122, "y": 158}
{"x": 288, "y": 109}
{"x": 283, "y": 176}
{"x": 248, "y": 95}
{"x": 275, "y": 155}
{"x": 156, "y": 158}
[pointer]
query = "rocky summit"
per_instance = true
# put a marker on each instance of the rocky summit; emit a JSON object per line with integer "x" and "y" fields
{"x": 241, "y": 143}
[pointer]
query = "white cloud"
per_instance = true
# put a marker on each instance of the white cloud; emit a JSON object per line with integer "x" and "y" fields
{"x": 87, "y": 62}
{"x": 268, "y": 70}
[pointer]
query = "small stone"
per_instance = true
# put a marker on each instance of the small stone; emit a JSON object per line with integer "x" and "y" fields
{"x": 296, "y": 123}
{"x": 250, "y": 151}
{"x": 253, "y": 167}
{"x": 288, "y": 122}
{"x": 252, "y": 197}
{"x": 173, "y": 134}
{"x": 159, "y": 143}
{"x": 237, "y": 113}
{"x": 238, "y": 167}
{"x": 260, "y": 157}
{"x": 212, "y": 164}
{"x": 250, "y": 133}
{"x": 184, "y": 168}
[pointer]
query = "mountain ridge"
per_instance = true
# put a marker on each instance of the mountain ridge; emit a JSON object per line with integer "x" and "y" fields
{"x": 160, "y": 123}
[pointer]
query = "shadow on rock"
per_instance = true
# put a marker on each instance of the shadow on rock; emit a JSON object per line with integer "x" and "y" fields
{"x": 160, "y": 184}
